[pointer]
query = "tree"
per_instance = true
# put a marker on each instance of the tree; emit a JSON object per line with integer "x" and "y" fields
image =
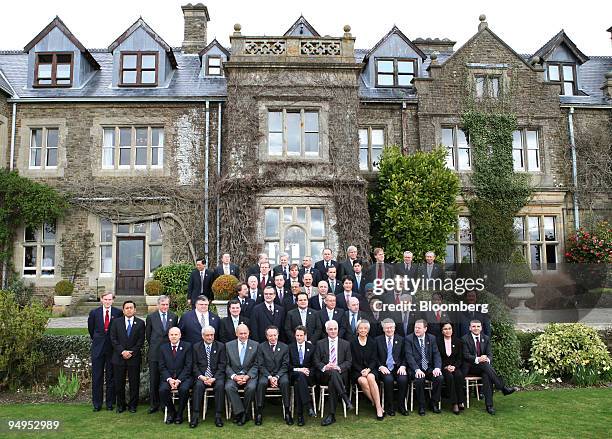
{"x": 414, "y": 206}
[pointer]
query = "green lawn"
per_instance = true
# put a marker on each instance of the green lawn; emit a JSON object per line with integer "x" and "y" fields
{"x": 66, "y": 331}
{"x": 555, "y": 414}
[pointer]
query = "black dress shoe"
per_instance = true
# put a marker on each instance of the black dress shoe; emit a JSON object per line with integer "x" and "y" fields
{"x": 508, "y": 390}
{"x": 109, "y": 408}
{"x": 300, "y": 421}
{"x": 347, "y": 401}
{"x": 132, "y": 410}
{"x": 436, "y": 409}
{"x": 218, "y": 421}
{"x": 328, "y": 420}
{"x": 193, "y": 423}
{"x": 120, "y": 409}
{"x": 153, "y": 410}
{"x": 380, "y": 418}
{"x": 178, "y": 421}
{"x": 312, "y": 413}
{"x": 462, "y": 406}
{"x": 258, "y": 419}
{"x": 243, "y": 418}
{"x": 236, "y": 418}
{"x": 391, "y": 413}
{"x": 421, "y": 411}
{"x": 403, "y": 411}
{"x": 96, "y": 409}
{"x": 169, "y": 420}
{"x": 288, "y": 418}
{"x": 490, "y": 410}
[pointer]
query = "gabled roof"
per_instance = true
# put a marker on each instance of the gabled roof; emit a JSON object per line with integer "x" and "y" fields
{"x": 395, "y": 30}
{"x": 141, "y": 23}
{"x": 57, "y": 22}
{"x": 302, "y": 22}
{"x": 213, "y": 43}
{"x": 545, "y": 51}
{"x": 609, "y": 29}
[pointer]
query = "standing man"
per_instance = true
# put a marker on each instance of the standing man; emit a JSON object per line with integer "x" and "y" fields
{"x": 253, "y": 270}
{"x": 392, "y": 369}
{"x": 200, "y": 283}
{"x": 351, "y": 318}
{"x": 380, "y": 269}
{"x": 230, "y": 323}
{"x": 346, "y": 266}
{"x": 264, "y": 279}
{"x": 98, "y": 325}
{"x": 308, "y": 288}
{"x": 335, "y": 287}
{"x": 308, "y": 268}
{"x": 301, "y": 372}
{"x": 176, "y": 369}
{"x": 342, "y": 299}
{"x": 327, "y": 261}
{"x": 280, "y": 288}
{"x": 156, "y": 333}
{"x": 317, "y": 302}
{"x": 431, "y": 270}
{"x": 226, "y": 267}
{"x": 266, "y": 314}
{"x": 246, "y": 303}
{"x": 273, "y": 361}
{"x": 407, "y": 268}
{"x": 331, "y": 312}
{"x": 209, "y": 361}
{"x": 303, "y": 316}
{"x": 283, "y": 267}
{"x": 358, "y": 277}
{"x": 127, "y": 340}
{"x": 241, "y": 371}
{"x": 255, "y": 294}
{"x": 333, "y": 361}
{"x": 192, "y": 322}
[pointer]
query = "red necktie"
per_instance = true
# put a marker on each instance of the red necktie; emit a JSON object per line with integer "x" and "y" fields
{"x": 106, "y": 321}
{"x": 438, "y": 316}
{"x": 380, "y": 271}
{"x": 174, "y": 351}
{"x": 478, "y": 346}
{"x": 263, "y": 282}
{"x": 397, "y": 299}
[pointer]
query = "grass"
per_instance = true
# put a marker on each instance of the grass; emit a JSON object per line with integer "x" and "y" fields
{"x": 560, "y": 413}
{"x": 66, "y": 331}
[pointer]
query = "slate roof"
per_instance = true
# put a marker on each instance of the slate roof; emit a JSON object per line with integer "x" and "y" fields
{"x": 561, "y": 37}
{"x": 5, "y": 86}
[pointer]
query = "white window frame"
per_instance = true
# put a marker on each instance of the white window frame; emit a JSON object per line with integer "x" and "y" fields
{"x": 525, "y": 148}
{"x": 39, "y": 245}
{"x": 43, "y": 147}
{"x": 285, "y": 133}
{"x": 525, "y": 244}
{"x": 371, "y": 167}
{"x": 452, "y": 151}
{"x": 114, "y": 150}
{"x": 458, "y": 240}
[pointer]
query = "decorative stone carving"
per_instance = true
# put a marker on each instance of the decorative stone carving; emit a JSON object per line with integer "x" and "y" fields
{"x": 264, "y": 47}
{"x": 320, "y": 48}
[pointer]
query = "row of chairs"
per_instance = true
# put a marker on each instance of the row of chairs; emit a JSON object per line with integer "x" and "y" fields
{"x": 471, "y": 382}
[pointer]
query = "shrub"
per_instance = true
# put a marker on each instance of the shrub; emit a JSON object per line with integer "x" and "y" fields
{"x": 518, "y": 271}
{"x": 66, "y": 388}
{"x": 590, "y": 247}
{"x": 154, "y": 288}
{"x": 56, "y": 348}
{"x": 20, "y": 329}
{"x": 23, "y": 292}
{"x": 224, "y": 287}
{"x": 64, "y": 288}
{"x": 175, "y": 279}
{"x": 570, "y": 350}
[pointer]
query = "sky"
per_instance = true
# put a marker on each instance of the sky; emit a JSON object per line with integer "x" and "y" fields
{"x": 525, "y": 25}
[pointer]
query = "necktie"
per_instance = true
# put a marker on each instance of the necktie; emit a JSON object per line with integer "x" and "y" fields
{"x": 301, "y": 353}
{"x": 353, "y": 323}
{"x": 326, "y": 265}
{"x": 308, "y": 291}
{"x": 106, "y": 321}
{"x": 358, "y": 279}
{"x": 280, "y": 294}
{"x": 242, "y": 352}
{"x": 202, "y": 321}
{"x": 423, "y": 357}
{"x": 332, "y": 287}
{"x": 208, "y": 372}
{"x": 270, "y": 308}
{"x": 380, "y": 271}
{"x": 272, "y": 346}
{"x": 390, "y": 362}
{"x": 397, "y": 299}
{"x": 201, "y": 282}
{"x": 438, "y": 316}
{"x": 405, "y": 322}
{"x": 347, "y": 297}
{"x": 478, "y": 346}
{"x": 303, "y": 314}
{"x": 429, "y": 270}
{"x": 164, "y": 322}
{"x": 235, "y": 323}
{"x": 129, "y": 328}
{"x": 241, "y": 302}
{"x": 263, "y": 282}
{"x": 174, "y": 351}
{"x": 332, "y": 354}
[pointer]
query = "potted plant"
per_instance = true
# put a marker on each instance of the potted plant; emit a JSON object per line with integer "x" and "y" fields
{"x": 519, "y": 280}
{"x": 224, "y": 289}
{"x": 63, "y": 293}
{"x": 153, "y": 289}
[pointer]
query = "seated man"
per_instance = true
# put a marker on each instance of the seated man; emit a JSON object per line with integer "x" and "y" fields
{"x": 301, "y": 372}
{"x": 477, "y": 361}
{"x": 209, "y": 371}
{"x": 241, "y": 371}
{"x": 273, "y": 363}
{"x": 333, "y": 360}
{"x": 424, "y": 360}
{"x": 392, "y": 366}
{"x": 175, "y": 367}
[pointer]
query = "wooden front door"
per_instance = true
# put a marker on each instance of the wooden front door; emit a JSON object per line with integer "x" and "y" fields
{"x": 130, "y": 266}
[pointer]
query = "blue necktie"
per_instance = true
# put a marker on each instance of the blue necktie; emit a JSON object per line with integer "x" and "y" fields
{"x": 164, "y": 322}
{"x": 208, "y": 369}
{"x": 423, "y": 357}
{"x": 242, "y": 352}
{"x": 301, "y": 356}
{"x": 353, "y": 322}
{"x": 129, "y": 328}
{"x": 390, "y": 362}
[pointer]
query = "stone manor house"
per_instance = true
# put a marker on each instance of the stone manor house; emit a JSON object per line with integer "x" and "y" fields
{"x": 168, "y": 153}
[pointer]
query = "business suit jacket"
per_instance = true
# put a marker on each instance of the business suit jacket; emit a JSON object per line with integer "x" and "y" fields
{"x": 294, "y": 356}
{"x": 313, "y": 325}
{"x": 402, "y": 270}
{"x": 233, "y": 268}
{"x": 233, "y": 366}
{"x": 348, "y": 330}
{"x": 467, "y": 316}
{"x": 253, "y": 270}
{"x": 320, "y": 266}
{"x": 218, "y": 360}
{"x": 314, "y": 303}
{"x": 100, "y": 341}
{"x": 269, "y": 280}
{"x": 399, "y": 356}
{"x": 341, "y": 301}
{"x": 121, "y": 342}
{"x": 433, "y": 325}
{"x": 191, "y": 328}
{"x": 344, "y": 358}
{"x": 246, "y": 308}
{"x": 345, "y": 268}
{"x": 179, "y": 367}
{"x": 359, "y": 288}
{"x": 337, "y": 288}
{"x": 195, "y": 281}
{"x": 456, "y": 356}
{"x": 437, "y": 272}
{"x": 272, "y": 363}
{"x": 338, "y": 316}
{"x": 413, "y": 352}
{"x": 316, "y": 276}
{"x": 279, "y": 270}
{"x": 469, "y": 349}
{"x": 261, "y": 318}
{"x": 363, "y": 357}
{"x": 155, "y": 333}
{"x": 397, "y": 316}
{"x": 227, "y": 331}
{"x": 371, "y": 273}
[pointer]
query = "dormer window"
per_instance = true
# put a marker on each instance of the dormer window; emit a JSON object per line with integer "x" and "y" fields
{"x": 53, "y": 70}
{"x": 394, "y": 72}
{"x": 487, "y": 86}
{"x": 213, "y": 66}
{"x": 139, "y": 69}
{"x": 565, "y": 75}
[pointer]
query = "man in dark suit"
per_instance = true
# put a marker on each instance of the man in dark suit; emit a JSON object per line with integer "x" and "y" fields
{"x": 346, "y": 267}
{"x": 431, "y": 270}
{"x": 392, "y": 367}
{"x": 333, "y": 361}
{"x": 325, "y": 263}
{"x": 351, "y": 319}
{"x": 254, "y": 293}
{"x": 246, "y": 303}
{"x": 358, "y": 277}
{"x": 281, "y": 289}
{"x": 283, "y": 267}
{"x": 176, "y": 369}
{"x": 301, "y": 372}
{"x": 290, "y": 300}
{"x": 405, "y": 317}
{"x": 127, "y": 337}
{"x": 226, "y": 267}
{"x": 302, "y": 315}
{"x": 331, "y": 312}
{"x": 230, "y": 323}
{"x": 200, "y": 283}
{"x": 380, "y": 269}
{"x": 253, "y": 270}
{"x": 407, "y": 268}
{"x": 192, "y": 322}
{"x": 308, "y": 268}
{"x": 273, "y": 362}
{"x": 266, "y": 314}
{"x": 465, "y": 317}
{"x": 424, "y": 361}
{"x": 435, "y": 318}
{"x": 156, "y": 332}
{"x": 98, "y": 325}
{"x": 334, "y": 285}
{"x": 308, "y": 286}
{"x": 317, "y": 302}
{"x": 241, "y": 371}
{"x": 209, "y": 361}
{"x": 477, "y": 358}
{"x": 347, "y": 293}
{"x": 264, "y": 278}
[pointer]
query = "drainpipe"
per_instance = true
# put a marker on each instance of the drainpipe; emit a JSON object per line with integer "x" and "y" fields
{"x": 13, "y": 125}
{"x": 570, "y": 123}
{"x": 206, "y": 158}
{"x": 218, "y": 178}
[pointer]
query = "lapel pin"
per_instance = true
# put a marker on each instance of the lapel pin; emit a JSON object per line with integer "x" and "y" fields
{"x": 181, "y": 348}
{"x": 250, "y": 347}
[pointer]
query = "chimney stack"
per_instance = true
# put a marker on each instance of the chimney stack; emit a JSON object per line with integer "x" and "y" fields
{"x": 196, "y": 21}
